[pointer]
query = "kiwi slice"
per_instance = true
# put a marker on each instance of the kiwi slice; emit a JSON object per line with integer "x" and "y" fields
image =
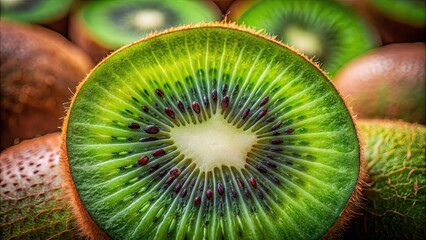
{"x": 396, "y": 20}
{"x": 395, "y": 160}
{"x": 38, "y": 67}
{"x": 409, "y": 11}
{"x": 210, "y": 131}
{"x": 103, "y": 26}
{"x": 32, "y": 199}
{"x": 35, "y": 11}
{"x": 325, "y": 30}
{"x": 387, "y": 82}
{"x": 52, "y": 14}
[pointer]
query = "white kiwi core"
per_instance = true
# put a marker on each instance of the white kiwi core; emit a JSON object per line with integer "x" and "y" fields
{"x": 149, "y": 19}
{"x": 214, "y": 143}
{"x": 305, "y": 41}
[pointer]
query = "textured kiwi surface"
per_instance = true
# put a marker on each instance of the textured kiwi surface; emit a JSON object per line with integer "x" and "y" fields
{"x": 32, "y": 203}
{"x": 409, "y": 11}
{"x": 114, "y": 24}
{"x": 395, "y": 160}
{"x": 36, "y": 11}
{"x": 387, "y": 82}
{"x": 210, "y": 131}
{"x": 323, "y": 29}
{"x": 38, "y": 67}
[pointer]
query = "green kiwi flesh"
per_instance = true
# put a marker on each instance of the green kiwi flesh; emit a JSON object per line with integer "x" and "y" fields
{"x": 32, "y": 202}
{"x": 325, "y": 30}
{"x": 34, "y": 11}
{"x": 395, "y": 160}
{"x": 210, "y": 132}
{"x": 113, "y": 24}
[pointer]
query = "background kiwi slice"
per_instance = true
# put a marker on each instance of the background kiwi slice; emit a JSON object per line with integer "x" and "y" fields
{"x": 395, "y": 160}
{"x": 326, "y": 30}
{"x": 35, "y": 11}
{"x": 32, "y": 200}
{"x": 38, "y": 67}
{"x": 410, "y": 11}
{"x": 396, "y": 20}
{"x": 102, "y": 26}
{"x": 51, "y": 13}
{"x": 387, "y": 82}
{"x": 210, "y": 131}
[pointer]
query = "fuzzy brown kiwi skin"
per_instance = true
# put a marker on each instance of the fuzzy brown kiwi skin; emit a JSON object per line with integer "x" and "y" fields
{"x": 38, "y": 67}
{"x": 388, "y": 82}
{"x": 29, "y": 172}
{"x": 89, "y": 227}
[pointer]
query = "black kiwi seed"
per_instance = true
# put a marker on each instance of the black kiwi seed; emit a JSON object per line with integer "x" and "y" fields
{"x": 244, "y": 139}
{"x": 151, "y": 129}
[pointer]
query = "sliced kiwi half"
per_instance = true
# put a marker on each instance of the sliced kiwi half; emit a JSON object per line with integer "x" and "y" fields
{"x": 325, "y": 30}
{"x": 32, "y": 200}
{"x": 387, "y": 82}
{"x": 102, "y": 26}
{"x": 210, "y": 131}
{"x": 395, "y": 159}
{"x": 38, "y": 67}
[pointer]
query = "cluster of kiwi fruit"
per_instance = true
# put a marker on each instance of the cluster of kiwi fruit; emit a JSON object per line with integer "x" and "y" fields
{"x": 284, "y": 120}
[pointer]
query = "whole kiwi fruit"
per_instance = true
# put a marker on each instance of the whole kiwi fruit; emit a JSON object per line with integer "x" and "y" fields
{"x": 33, "y": 204}
{"x": 325, "y": 30}
{"x": 387, "y": 82}
{"x": 395, "y": 159}
{"x": 210, "y": 131}
{"x": 100, "y": 27}
{"x": 38, "y": 69}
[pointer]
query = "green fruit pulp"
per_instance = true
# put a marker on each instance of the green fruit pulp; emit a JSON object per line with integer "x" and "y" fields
{"x": 325, "y": 30}
{"x": 303, "y": 152}
{"x": 35, "y": 11}
{"x": 395, "y": 155}
{"x": 114, "y": 24}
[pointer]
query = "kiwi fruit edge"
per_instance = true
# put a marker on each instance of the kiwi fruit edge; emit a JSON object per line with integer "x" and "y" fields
{"x": 341, "y": 36}
{"x": 32, "y": 198}
{"x": 89, "y": 226}
{"x": 387, "y": 82}
{"x": 394, "y": 152}
{"x": 33, "y": 93}
{"x": 89, "y": 32}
